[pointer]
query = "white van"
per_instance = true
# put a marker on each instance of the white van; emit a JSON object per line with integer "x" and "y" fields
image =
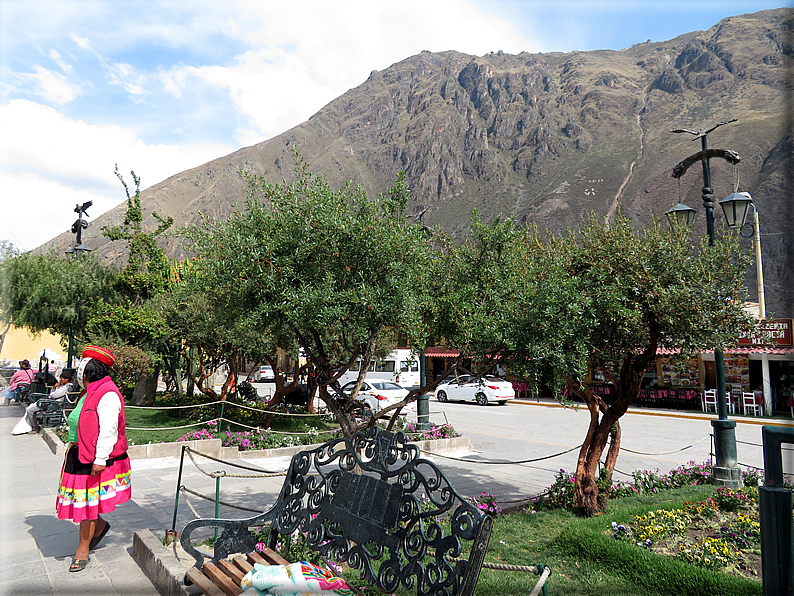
{"x": 401, "y": 367}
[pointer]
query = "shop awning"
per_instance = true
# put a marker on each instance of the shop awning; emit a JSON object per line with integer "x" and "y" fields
{"x": 441, "y": 352}
{"x": 774, "y": 350}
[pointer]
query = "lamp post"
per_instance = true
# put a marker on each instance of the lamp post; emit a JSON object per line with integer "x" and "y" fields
{"x": 726, "y": 471}
{"x": 736, "y": 207}
{"x": 78, "y": 249}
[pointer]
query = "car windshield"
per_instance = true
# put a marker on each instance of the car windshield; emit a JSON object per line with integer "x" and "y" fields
{"x": 494, "y": 380}
{"x": 385, "y": 385}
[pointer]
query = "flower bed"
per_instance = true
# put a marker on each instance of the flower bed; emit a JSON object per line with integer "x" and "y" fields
{"x": 722, "y": 532}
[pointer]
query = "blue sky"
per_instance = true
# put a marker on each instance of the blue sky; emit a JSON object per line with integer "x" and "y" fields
{"x": 162, "y": 86}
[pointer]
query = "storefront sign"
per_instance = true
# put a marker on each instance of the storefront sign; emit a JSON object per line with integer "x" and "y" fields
{"x": 775, "y": 332}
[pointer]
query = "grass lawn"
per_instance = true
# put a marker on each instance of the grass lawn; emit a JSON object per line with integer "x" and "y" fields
{"x": 587, "y": 561}
{"x": 144, "y": 418}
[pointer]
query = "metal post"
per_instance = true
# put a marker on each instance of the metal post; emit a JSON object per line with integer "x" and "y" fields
{"x": 726, "y": 471}
{"x": 774, "y": 504}
{"x": 423, "y": 403}
{"x": 178, "y": 486}
{"x": 217, "y": 499}
{"x": 759, "y": 271}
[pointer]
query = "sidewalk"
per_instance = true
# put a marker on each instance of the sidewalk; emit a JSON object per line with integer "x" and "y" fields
{"x": 36, "y": 548}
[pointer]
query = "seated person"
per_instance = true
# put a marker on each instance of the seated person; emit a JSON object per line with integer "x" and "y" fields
{"x": 24, "y": 376}
{"x": 29, "y": 424}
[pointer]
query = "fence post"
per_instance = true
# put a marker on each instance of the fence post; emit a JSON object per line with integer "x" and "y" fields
{"x": 176, "y": 496}
{"x": 217, "y": 499}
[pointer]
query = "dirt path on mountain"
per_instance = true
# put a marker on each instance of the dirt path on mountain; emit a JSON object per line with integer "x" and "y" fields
{"x": 616, "y": 200}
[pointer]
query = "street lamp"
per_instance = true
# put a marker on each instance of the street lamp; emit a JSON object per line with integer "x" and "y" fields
{"x": 79, "y": 248}
{"x": 726, "y": 471}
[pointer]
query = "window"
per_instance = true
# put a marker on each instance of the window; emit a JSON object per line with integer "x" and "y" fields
{"x": 409, "y": 366}
{"x": 386, "y": 366}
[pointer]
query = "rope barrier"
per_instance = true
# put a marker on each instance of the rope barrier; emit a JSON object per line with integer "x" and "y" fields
{"x": 212, "y": 403}
{"x": 666, "y": 452}
{"x": 224, "y": 474}
{"x": 172, "y": 427}
{"x": 228, "y": 403}
{"x": 185, "y": 489}
{"x": 189, "y": 504}
{"x": 525, "y": 461}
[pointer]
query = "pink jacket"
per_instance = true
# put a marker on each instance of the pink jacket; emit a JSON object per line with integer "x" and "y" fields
{"x": 88, "y": 424}
{"x": 24, "y": 376}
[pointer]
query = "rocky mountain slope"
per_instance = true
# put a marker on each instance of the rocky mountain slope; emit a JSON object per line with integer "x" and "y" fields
{"x": 543, "y": 138}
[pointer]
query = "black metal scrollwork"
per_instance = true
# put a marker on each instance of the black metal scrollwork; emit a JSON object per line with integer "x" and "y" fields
{"x": 373, "y": 503}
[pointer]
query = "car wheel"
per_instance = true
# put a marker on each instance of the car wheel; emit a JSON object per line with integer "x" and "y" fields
{"x": 503, "y": 402}
{"x": 481, "y": 399}
{"x": 441, "y": 396}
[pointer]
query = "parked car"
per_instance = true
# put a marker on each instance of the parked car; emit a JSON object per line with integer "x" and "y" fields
{"x": 378, "y": 395}
{"x": 482, "y": 390}
{"x": 266, "y": 373}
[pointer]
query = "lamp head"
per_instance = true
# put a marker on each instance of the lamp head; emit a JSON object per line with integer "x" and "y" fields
{"x": 682, "y": 214}
{"x": 735, "y": 208}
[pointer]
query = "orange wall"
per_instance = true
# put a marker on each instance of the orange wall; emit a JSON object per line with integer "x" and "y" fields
{"x": 19, "y": 345}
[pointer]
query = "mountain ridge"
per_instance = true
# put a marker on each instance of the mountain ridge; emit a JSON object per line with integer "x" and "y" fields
{"x": 540, "y": 138}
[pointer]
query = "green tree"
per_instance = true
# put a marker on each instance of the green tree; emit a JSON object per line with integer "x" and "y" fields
{"x": 132, "y": 320}
{"x": 334, "y": 272}
{"x": 610, "y": 297}
{"x": 8, "y": 250}
{"x": 48, "y": 292}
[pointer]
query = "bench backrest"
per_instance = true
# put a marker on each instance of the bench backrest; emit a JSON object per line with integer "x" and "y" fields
{"x": 374, "y": 504}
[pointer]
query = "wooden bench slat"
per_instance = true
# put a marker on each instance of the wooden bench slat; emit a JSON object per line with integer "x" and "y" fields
{"x": 203, "y": 583}
{"x": 220, "y": 579}
{"x": 242, "y": 563}
{"x": 230, "y": 569}
{"x": 274, "y": 557}
{"x": 255, "y": 557}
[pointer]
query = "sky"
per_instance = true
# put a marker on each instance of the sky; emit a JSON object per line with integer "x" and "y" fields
{"x": 158, "y": 87}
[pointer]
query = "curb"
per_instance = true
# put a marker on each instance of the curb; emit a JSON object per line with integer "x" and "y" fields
{"x": 214, "y": 448}
{"x": 665, "y": 413}
{"x": 161, "y": 564}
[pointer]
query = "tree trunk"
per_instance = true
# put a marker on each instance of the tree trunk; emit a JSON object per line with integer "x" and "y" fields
{"x": 145, "y": 390}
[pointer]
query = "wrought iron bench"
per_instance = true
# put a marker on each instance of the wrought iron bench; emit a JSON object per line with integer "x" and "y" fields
{"x": 371, "y": 503}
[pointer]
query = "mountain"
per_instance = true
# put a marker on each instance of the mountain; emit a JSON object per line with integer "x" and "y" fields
{"x": 543, "y": 138}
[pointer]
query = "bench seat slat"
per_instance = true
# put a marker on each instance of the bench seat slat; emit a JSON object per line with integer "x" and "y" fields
{"x": 274, "y": 558}
{"x": 203, "y": 583}
{"x": 242, "y": 563}
{"x": 255, "y": 557}
{"x": 220, "y": 579}
{"x": 230, "y": 569}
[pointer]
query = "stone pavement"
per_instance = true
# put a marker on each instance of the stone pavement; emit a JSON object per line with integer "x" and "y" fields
{"x": 36, "y": 548}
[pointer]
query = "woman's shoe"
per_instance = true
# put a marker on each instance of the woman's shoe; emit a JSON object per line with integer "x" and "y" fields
{"x": 78, "y": 564}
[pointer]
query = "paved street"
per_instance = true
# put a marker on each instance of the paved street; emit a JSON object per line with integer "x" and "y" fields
{"x": 36, "y": 547}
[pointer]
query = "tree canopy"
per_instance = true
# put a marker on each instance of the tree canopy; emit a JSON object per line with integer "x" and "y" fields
{"x": 332, "y": 270}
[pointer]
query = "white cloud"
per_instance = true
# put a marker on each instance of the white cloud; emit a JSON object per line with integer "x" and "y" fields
{"x": 51, "y": 162}
{"x": 52, "y": 85}
{"x": 303, "y": 55}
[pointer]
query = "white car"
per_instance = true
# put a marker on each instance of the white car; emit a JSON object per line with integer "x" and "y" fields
{"x": 266, "y": 373}
{"x": 378, "y": 395}
{"x": 482, "y": 390}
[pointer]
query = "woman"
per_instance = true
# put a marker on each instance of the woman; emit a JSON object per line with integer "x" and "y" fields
{"x": 96, "y": 473}
{"x": 24, "y": 376}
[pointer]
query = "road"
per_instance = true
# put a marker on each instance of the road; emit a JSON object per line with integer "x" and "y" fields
{"x": 521, "y": 431}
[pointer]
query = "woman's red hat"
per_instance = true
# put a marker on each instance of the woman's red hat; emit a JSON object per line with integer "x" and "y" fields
{"x": 102, "y": 354}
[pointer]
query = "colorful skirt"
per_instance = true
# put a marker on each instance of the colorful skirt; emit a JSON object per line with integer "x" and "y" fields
{"x": 83, "y": 496}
